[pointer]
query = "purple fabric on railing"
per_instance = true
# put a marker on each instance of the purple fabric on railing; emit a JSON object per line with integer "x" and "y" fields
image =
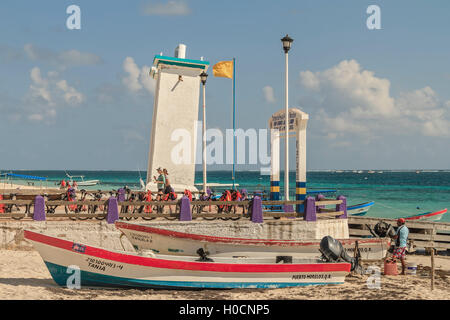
{"x": 121, "y": 196}
{"x": 320, "y": 197}
{"x": 257, "y": 213}
{"x": 113, "y": 211}
{"x": 310, "y": 209}
{"x": 39, "y": 209}
{"x": 342, "y": 207}
{"x": 208, "y": 191}
{"x": 288, "y": 208}
{"x": 185, "y": 209}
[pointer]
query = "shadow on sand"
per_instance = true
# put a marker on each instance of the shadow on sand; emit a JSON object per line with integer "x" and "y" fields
{"x": 33, "y": 282}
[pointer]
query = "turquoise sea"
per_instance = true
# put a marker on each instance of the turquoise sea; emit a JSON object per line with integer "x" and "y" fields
{"x": 396, "y": 193}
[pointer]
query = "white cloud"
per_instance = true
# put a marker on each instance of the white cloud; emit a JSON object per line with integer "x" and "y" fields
{"x": 46, "y": 94}
{"x": 171, "y": 8}
{"x": 269, "y": 94}
{"x": 64, "y": 59}
{"x": 77, "y": 58}
{"x": 132, "y": 80}
{"x": 146, "y": 80}
{"x": 355, "y": 101}
{"x": 309, "y": 80}
{"x": 137, "y": 78}
{"x": 71, "y": 95}
{"x": 39, "y": 87}
{"x": 447, "y": 105}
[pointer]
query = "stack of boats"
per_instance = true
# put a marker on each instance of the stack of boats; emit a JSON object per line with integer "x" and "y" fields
{"x": 171, "y": 259}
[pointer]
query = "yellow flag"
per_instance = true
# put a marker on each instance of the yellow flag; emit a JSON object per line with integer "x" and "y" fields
{"x": 223, "y": 69}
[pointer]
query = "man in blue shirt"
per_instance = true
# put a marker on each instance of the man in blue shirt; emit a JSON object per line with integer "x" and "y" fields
{"x": 401, "y": 237}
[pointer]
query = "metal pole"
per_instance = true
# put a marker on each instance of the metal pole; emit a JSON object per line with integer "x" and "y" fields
{"x": 432, "y": 268}
{"x": 234, "y": 121}
{"x": 286, "y": 171}
{"x": 204, "y": 138}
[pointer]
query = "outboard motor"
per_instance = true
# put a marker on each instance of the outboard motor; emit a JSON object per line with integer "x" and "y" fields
{"x": 384, "y": 229}
{"x": 333, "y": 251}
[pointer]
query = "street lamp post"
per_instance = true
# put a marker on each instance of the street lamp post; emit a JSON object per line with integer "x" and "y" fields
{"x": 287, "y": 42}
{"x": 203, "y": 77}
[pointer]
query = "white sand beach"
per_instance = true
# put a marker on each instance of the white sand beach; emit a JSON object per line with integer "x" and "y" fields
{"x": 24, "y": 276}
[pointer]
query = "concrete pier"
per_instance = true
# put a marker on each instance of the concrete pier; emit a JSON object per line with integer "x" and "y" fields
{"x": 100, "y": 234}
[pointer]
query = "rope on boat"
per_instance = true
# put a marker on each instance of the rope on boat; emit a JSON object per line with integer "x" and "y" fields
{"x": 120, "y": 238}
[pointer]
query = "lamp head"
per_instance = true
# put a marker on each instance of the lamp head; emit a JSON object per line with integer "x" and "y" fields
{"x": 287, "y": 42}
{"x": 203, "y": 77}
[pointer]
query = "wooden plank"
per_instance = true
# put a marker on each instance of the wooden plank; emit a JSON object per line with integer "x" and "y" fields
{"x": 17, "y": 202}
{"x": 75, "y": 215}
{"x": 359, "y": 232}
{"x": 31, "y": 191}
{"x": 411, "y": 236}
{"x": 149, "y": 215}
{"x": 143, "y": 203}
{"x": 429, "y": 237}
{"x": 410, "y": 224}
{"x": 281, "y": 202}
{"x": 78, "y": 203}
{"x": 219, "y": 215}
{"x": 430, "y": 244}
{"x": 17, "y": 215}
{"x": 329, "y": 214}
{"x": 328, "y": 202}
{"x": 282, "y": 214}
{"x": 220, "y": 203}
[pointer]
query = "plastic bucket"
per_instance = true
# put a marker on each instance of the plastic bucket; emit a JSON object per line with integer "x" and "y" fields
{"x": 411, "y": 268}
{"x": 390, "y": 268}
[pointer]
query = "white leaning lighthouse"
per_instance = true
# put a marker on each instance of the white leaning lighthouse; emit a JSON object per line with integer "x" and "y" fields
{"x": 175, "y": 115}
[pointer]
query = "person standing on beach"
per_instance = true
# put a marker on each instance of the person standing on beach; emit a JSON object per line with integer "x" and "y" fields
{"x": 401, "y": 238}
{"x": 161, "y": 181}
{"x": 168, "y": 187}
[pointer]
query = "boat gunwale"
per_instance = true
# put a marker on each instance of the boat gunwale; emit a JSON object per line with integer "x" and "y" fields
{"x": 426, "y": 215}
{"x": 137, "y": 260}
{"x": 241, "y": 241}
{"x": 361, "y": 205}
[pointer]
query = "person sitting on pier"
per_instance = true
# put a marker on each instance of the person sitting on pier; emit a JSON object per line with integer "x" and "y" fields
{"x": 401, "y": 238}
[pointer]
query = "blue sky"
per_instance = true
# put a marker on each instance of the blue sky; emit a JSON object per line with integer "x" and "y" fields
{"x": 376, "y": 98}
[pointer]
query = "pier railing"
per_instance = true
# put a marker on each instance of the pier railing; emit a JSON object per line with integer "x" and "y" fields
{"x": 52, "y": 206}
{"x": 421, "y": 234}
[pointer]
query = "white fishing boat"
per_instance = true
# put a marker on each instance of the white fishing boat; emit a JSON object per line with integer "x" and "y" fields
{"x": 81, "y": 182}
{"x": 359, "y": 209}
{"x": 105, "y": 268}
{"x": 163, "y": 241}
{"x": 427, "y": 216}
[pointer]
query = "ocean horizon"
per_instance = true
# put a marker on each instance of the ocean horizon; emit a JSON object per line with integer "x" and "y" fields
{"x": 396, "y": 193}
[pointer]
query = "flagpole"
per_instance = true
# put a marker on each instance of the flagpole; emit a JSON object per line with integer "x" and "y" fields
{"x": 234, "y": 119}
